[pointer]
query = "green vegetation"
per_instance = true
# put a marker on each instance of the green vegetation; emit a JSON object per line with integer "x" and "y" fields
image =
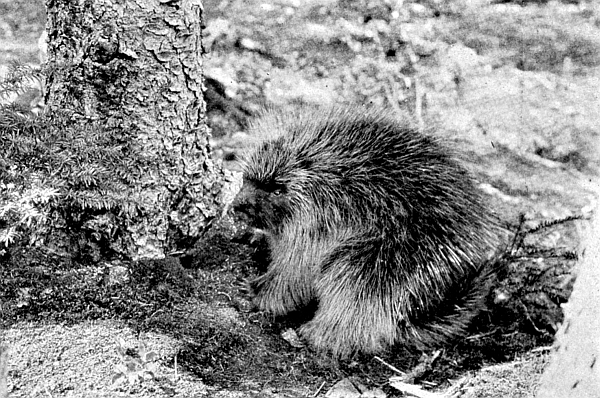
{"x": 60, "y": 181}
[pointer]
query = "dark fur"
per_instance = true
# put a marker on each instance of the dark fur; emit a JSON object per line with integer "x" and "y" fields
{"x": 374, "y": 220}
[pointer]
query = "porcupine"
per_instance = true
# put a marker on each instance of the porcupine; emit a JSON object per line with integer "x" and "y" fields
{"x": 372, "y": 219}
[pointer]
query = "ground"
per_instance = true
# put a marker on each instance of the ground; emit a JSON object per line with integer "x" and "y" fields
{"x": 512, "y": 86}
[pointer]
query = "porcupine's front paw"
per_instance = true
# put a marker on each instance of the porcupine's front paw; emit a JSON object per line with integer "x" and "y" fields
{"x": 243, "y": 285}
{"x": 280, "y": 294}
{"x": 268, "y": 296}
{"x": 255, "y": 286}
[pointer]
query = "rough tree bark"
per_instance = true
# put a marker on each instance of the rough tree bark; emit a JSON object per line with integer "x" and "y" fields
{"x": 136, "y": 65}
{"x": 3, "y": 371}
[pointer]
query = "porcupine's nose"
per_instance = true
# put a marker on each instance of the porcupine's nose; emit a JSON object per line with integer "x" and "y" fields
{"x": 245, "y": 203}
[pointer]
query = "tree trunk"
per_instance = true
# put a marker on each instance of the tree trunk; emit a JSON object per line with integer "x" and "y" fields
{"x": 136, "y": 67}
{"x": 574, "y": 369}
{"x": 3, "y": 371}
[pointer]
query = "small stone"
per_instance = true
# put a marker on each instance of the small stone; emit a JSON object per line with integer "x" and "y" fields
{"x": 292, "y": 338}
{"x": 343, "y": 389}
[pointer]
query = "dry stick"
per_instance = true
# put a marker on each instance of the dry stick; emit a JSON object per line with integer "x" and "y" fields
{"x": 412, "y": 390}
{"x": 390, "y": 366}
{"x": 176, "y": 376}
{"x": 542, "y": 349}
{"x": 225, "y": 294}
{"x": 425, "y": 364}
{"x": 481, "y": 335}
{"x": 517, "y": 233}
{"x": 319, "y": 389}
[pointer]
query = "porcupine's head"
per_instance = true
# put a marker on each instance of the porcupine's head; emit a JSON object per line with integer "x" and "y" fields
{"x": 267, "y": 197}
{"x": 291, "y": 174}
{"x": 319, "y": 167}
{"x": 263, "y": 198}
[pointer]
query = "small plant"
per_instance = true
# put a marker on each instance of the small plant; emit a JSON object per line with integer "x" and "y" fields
{"x": 62, "y": 185}
{"x": 518, "y": 248}
{"x": 135, "y": 365}
{"x": 20, "y": 79}
{"x": 23, "y": 210}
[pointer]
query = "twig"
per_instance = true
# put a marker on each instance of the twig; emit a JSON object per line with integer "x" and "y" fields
{"x": 542, "y": 349}
{"x": 424, "y": 366}
{"x": 319, "y": 389}
{"x": 518, "y": 234}
{"x": 224, "y": 294}
{"x": 401, "y": 373}
{"x": 176, "y": 375}
{"x": 546, "y": 224}
{"x": 481, "y": 335}
{"x": 412, "y": 390}
{"x": 155, "y": 312}
{"x": 542, "y": 332}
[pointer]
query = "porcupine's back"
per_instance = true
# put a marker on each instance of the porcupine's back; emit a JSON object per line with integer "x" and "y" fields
{"x": 365, "y": 166}
{"x": 358, "y": 175}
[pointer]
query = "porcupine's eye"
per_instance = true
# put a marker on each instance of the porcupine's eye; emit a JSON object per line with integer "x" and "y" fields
{"x": 276, "y": 189}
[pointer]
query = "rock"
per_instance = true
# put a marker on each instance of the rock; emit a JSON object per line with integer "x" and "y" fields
{"x": 343, "y": 389}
